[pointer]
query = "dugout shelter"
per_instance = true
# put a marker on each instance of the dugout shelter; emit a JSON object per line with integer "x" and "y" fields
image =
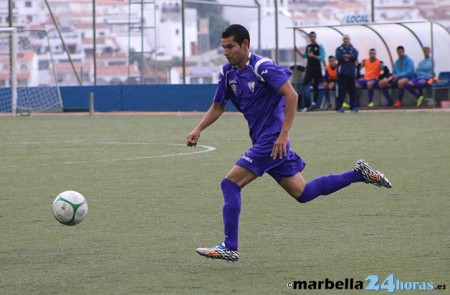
{"x": 385, "y": 38}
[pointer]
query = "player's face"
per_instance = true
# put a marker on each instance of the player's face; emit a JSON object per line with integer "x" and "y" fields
{"x": 426, "y": 51}
{"x": 401, "y": 53}
{"x": 346, "y": 40}
{"x": 372, "y": 54}
{"x": 332, "y": 62}
{"x": 312, "y": 38}
{"x": 235, "y": 54}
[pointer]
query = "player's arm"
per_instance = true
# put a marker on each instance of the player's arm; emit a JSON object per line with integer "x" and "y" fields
{"x": 302, "y": 54}
{"x": 291, "y": 97}
{"x": 214, "y": 112}
{"x": 321, "y": 56}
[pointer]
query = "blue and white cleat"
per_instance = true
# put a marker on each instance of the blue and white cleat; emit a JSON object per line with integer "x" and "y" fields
{"x": 371, "y": 175}
{"x": 220, "y": 251}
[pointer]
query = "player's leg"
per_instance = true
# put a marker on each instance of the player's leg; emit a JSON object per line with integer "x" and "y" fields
{"x": 326, "y": 92}
{"x": 316, "y": 81}
{"x": 354, "y": 103}
{"x": 306, "y": 89}
{"x": 231, "y": 187}
{"x": 401, "y": 90}
{"x": 359, "y": 86}
{"x": 420, "y": 84}
{"x": 410, "y": 86}
{"x": 383, "y": 85}
{"x": 370, "y": 91}
{"x": 341, "y": 94}
{"x": 304, "y": 191}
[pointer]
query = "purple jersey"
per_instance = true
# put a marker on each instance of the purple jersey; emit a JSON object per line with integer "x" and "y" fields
{"x": 254, "y": 92}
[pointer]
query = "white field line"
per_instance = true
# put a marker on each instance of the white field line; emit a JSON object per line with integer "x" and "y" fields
{"x": 204, "y": 149}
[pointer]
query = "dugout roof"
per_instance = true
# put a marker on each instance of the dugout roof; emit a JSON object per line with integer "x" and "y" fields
{"x": 384, "y": 37}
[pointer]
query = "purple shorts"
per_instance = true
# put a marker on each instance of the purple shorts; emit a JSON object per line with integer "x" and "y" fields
{"x": 363, "y": 83}
{"x": 419, "y": 82}
{"x": 258, "y": 160}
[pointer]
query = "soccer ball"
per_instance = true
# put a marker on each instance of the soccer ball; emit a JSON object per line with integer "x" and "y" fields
{"x": 70, "y": 208}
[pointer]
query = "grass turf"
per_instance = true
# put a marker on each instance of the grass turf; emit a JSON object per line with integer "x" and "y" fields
{"x": 149, "y": 207}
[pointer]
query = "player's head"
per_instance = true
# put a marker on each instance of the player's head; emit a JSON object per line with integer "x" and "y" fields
{"x": 332, "y": 60}
{"x": 426, "y": 51}
{"x": 235, "y": 43}
{"x": 312, "y": 37}
{"x": 372, "y": 53}
{"x": 346, "y": 40}
{"x": 238, "y": 33}
{"x": 401, "y": 51}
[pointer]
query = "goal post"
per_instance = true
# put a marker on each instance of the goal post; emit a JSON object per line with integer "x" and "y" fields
{"x": 9, "y": 66}
{"x": 28, "y": 80}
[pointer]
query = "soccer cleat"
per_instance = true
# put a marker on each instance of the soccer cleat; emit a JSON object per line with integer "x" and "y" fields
{"x": 345, "y": 105}
{"x": 220, "y": 251}
{"x": 419, "y": 101}
{"x": 371, "y": 104}
{"x": 389, "y": 103}
{"x": 398, "y": 103}
{"x": 371, "y": 175}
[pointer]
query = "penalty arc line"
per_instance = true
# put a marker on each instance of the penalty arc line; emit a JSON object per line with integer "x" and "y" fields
{"x": 205, "y": 150}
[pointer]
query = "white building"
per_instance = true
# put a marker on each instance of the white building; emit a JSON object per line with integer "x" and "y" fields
{"x": 25, "y": 12}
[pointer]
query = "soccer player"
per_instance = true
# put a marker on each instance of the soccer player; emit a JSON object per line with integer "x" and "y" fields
{"x": 261, "y": 90}
{"x": 329, "y": 80}
{"x": 424, "y": 72}
{"x": 315, "y": 55}
{"x": 346, "y": 55}
{"x": 373, "y": 69}
{"x": 403, "y": 71}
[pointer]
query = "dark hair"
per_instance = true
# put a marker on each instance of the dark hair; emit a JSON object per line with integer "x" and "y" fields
{"x": 312, "y": 33}
{"x": 400, "y": 48}
{"x": 238, "y": 32}
{"x": 331, "y": 56}
{"x": 372, "y": 49}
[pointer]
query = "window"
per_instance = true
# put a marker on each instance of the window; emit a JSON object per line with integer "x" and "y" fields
{"x": 44, "y": 64}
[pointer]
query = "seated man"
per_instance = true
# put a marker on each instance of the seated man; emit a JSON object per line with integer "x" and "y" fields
{"x": 373, "y": 69}
{"x": 403, "y": 72}
{"x": 329, "y": 80}
{"x": 424, "y": 73}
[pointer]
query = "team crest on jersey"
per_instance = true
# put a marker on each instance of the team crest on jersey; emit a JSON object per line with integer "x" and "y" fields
{"x": 251, "y": 86}
{"x": 233, "y": 86}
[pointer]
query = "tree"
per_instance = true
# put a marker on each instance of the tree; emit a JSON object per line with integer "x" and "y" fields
{"x": 216, "y": 26}
{"x": 216, "y": 21}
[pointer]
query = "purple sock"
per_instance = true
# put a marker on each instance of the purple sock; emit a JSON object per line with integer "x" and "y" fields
{"x": 420, "y": 90}
{"x": 231, "y": 209}
{"x": 326, "y": 93}
{"x": 386, "y": 94}
{"x": 411, "y": 90}
{"x": 325, "y": 185}
{"x": 401, "y": 92}
{"x": 370, "y": 93}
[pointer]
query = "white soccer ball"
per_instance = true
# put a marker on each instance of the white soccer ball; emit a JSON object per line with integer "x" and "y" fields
{"x": 70, "y": 208}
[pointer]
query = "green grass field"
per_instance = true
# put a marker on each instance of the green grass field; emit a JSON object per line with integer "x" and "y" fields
{"x": 151, "y": 203}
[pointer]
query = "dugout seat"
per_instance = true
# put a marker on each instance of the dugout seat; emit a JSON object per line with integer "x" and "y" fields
{"x": 441, "y": 89}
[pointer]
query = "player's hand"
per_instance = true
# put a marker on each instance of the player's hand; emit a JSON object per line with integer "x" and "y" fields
{"x": 279, "y": 147}
{"x": 192, "y": 138}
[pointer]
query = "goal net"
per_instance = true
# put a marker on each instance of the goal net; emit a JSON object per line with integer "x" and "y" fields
{"x": 28, "y": 81}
